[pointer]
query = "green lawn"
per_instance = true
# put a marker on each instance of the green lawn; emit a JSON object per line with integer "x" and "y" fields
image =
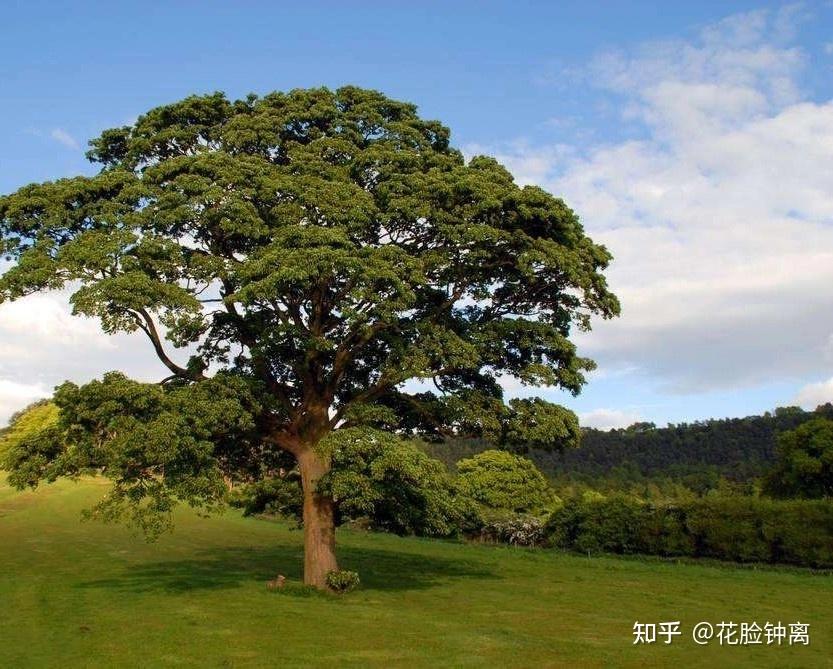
{"x": 83, "y": 594}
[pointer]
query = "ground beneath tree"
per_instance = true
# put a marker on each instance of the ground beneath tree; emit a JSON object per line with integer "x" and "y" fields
{"x": 76, "y": 594}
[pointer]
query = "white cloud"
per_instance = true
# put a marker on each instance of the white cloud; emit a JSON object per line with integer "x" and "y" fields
{"x": 63, "y": 137}
{"x": 720, "y": 218}
{"x": 607, "y": 419}
{"x": 42, "y": 344}
{"x": 14, "y": 396}
{"x": 814, "y": 394}
{"x": 47, "y": 317}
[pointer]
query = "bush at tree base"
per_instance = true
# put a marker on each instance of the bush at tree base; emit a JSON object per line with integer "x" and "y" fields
{"x": 342, "y": 581}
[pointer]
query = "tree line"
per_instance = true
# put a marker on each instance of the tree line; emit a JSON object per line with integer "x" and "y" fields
{"x": 697, "y": 454}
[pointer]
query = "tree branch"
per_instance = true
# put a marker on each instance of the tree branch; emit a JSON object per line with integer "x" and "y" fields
{"x": 146, "y": 324}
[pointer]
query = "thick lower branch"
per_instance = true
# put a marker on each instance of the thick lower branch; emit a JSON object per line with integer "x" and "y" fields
{"x": 146, "y": 324}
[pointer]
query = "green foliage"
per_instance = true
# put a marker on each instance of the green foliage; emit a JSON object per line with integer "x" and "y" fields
{"x": 36, "y": 418}
{"x": 37, "y": 456}
{"x": 663, "y": 530}
{"x": 736, "y": 528}
{"x": 278, "y": 495}
{"x": 805, "y": 462}
{"x": 729, "y": 528}
{"x": 158, "y": 444}
{"x": 800, "y": 532}
{"x": 536, "y": 424}
{"x": 502, "y": 480}
{"x": 342, "y": 581}
{"x": 376, "y": 477}
{"x": 701, "y": 456}
{"x": 389, "y": 480}
{"x": 343, "y": 239}
{"x": 590, "y": 525}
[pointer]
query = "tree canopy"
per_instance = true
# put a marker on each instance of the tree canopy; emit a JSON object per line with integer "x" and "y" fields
{"x": 501, "y": 480}
{"x": 303, "y": 256}
{"x": 805, "y": 462}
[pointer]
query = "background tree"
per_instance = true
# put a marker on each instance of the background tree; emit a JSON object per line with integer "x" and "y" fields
{"x": 502, "y": 480}
{"x": 318, "y": 249}
{"x": 805, "y": 462}
{"x": 32, "y": 420}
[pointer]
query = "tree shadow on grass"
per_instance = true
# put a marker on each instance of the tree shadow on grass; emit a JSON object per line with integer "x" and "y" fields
{"x": 223, "y": 568}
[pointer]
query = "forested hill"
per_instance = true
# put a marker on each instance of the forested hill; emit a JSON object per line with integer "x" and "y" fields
{"x": 739, "y": 449}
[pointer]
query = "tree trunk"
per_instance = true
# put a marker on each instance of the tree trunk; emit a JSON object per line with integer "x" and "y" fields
{"x": 319, "y": 521}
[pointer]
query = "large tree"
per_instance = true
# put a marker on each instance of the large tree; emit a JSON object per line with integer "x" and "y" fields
{"x": 309, "y": 253}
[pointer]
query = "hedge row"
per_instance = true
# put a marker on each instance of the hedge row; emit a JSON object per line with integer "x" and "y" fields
{"x": 740, "y": 529}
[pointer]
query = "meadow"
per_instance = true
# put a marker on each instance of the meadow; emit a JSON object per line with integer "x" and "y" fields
{"x": 86, "y": 594}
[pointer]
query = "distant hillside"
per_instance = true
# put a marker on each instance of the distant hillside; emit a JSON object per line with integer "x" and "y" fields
{"x": 33, "y": 418}
{"x": 739, "y": 449}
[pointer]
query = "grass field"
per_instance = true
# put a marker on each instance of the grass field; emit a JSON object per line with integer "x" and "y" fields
{"x": 83, "y": 594}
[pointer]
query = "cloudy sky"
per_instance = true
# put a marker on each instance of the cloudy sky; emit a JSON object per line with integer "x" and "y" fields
{"x": 696, "y": 143}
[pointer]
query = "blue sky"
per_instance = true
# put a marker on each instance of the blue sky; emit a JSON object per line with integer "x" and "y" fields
{"x": 694, "y": 139}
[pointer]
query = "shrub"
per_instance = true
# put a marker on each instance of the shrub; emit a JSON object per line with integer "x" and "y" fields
{"x": 32, "y": 447}
{"x": 342, "y": 581}
{"x": 611, "y": 524}
{"x": 800, "y": 532}
{"x": 664, "y": 532}
{"x": 513, "y": 529}
{"x": 729, "y": 528}
{"x": 736, "y": 528}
